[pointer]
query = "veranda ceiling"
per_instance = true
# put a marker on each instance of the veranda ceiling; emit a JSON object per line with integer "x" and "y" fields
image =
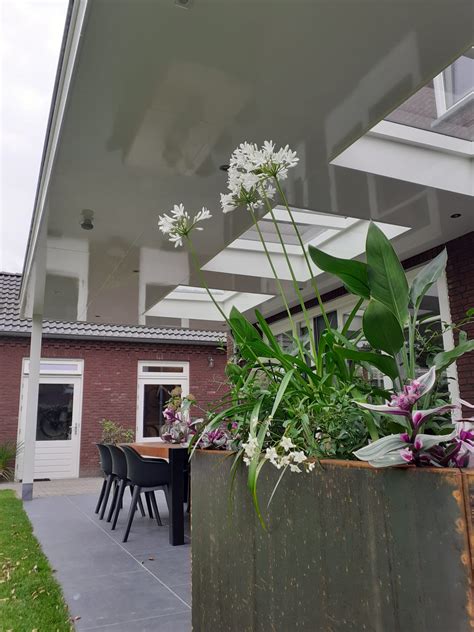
{"x": 151, "y": 100}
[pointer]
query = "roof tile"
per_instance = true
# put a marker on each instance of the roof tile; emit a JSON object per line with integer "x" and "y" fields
{"x": 12, "y": 324}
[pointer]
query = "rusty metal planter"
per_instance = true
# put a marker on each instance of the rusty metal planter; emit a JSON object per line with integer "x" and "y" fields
{"x": 348, "y": 548}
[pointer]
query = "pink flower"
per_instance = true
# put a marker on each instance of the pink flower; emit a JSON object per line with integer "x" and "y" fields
{"x": 405, "y": 437}
{"x": 407, "y": 455}
{"x": 418, "y": 443}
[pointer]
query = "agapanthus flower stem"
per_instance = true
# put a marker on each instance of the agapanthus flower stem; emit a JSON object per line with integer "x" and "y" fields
{"x": 280, "y": 287}
{"x": 293, "y": 277}
{"x": 305, "y": 254}
{"x": 203, "y": 281}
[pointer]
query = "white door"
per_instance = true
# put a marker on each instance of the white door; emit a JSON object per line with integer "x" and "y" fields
{"x": 58, "y": 426}
{"x": 156, "y": 380}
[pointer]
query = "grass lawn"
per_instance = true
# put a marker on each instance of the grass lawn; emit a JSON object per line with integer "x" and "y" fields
{"x": 30, "y": 596}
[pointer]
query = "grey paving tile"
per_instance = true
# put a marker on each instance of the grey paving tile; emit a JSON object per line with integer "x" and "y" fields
{"x": 184, "y": 591}
{"x": 110, "y": 585}
{"x": 168, "y": 623}
{"x": 91, "y": 560}
{"x": 172, "y": 570}
{"x": 118, "y": 598}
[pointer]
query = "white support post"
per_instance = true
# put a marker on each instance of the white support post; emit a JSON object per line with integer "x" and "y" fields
{"x": 31, "y": 409}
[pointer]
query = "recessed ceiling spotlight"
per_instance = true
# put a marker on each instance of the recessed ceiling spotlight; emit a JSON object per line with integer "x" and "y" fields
{"x": 87, "y": 221}
{"x": 183, "y": 4}
{"x": 224, "y": 168}
{"x": 455, "y": 215}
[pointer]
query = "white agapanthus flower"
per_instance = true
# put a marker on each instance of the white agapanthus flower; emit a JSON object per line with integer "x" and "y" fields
{"x": 294, "y": 468}
{"x": 179, "y": 224}
{"x": 250, "y": 171}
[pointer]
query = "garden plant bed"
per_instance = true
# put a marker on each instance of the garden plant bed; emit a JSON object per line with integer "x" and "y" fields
{"x": 30, "y": 597}
{"x": 346, "y": 548}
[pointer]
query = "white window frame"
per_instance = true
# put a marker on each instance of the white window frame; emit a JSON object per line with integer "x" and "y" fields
{"x": 55, "y": 366}
{"x": 161, "y": 377}
{"x": 442, "y": 108}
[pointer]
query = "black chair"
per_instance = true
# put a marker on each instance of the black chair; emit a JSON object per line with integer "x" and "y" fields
{"x": 106, "y": 467}
{"x": 119, "y": 470}
{"x": 146, "y": 475}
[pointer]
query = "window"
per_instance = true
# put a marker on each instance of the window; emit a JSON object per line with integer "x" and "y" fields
{"x": 158, "y": 381}
{"x": 455, "y": 85}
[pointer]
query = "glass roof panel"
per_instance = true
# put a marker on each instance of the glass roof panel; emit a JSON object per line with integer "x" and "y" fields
{"x": 446, "y": 104}
{"x": 270, "y": 234}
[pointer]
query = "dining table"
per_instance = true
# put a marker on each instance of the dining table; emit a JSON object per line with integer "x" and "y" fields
{"x": 177, "y": 456}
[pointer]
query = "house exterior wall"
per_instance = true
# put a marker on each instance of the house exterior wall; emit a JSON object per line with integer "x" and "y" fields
{"x": 460, "y": 281}
{"x": 109, "y": 381}
{"x": 460, "y": 278}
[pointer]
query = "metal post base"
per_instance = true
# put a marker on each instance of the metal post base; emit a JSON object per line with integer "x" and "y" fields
{"x": 27, "y": 491}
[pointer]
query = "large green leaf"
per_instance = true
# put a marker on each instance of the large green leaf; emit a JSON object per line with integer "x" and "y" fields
{"x": 445, "y": 358}
{"x": 426, "y": 277}
{"x": 383, "y": 363}
{"x": 384, "y": 452}
{"x": 352, "y": 273}
{"x": 247, "y": 337}
{"x": 381, "y": 328}
{"x": 387, "y": 281}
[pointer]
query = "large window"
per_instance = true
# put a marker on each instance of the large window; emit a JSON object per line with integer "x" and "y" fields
{"x": 434, "y": 314}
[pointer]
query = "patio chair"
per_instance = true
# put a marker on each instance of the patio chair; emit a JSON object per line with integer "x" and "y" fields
{"x": 146, "y": 475}
{"x": 119, "y": 470}
{"x": 106, "y": 467}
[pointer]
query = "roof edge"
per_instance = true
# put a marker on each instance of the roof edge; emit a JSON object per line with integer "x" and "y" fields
{"x": 75, "y": 17}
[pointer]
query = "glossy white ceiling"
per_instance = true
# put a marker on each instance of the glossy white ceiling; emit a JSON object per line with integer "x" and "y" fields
{"x": 152, "y": 99}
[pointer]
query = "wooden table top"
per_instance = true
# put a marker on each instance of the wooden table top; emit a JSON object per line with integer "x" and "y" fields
{"x": 156, "y": 448}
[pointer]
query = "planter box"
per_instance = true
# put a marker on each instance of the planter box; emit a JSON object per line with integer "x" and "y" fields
{"x": 348, "y": 549}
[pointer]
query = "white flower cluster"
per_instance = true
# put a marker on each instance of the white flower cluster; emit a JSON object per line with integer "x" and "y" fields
{"x": 250, "y": 170}
{"x": 179, "y": 224}
{"x": 250, "y": 447}
{"x": 292, "y": 459}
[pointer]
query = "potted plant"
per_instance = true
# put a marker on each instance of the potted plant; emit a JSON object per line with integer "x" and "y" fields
{"x": 314, "y": 539}
{"x": 114, "y": 433}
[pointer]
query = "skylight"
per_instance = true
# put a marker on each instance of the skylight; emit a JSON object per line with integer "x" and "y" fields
{"x": 446, "y": 104}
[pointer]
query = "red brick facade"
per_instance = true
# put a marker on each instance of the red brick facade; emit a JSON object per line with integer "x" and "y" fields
{"x": 460, "y": 277}
{"x": 109, "y": 383}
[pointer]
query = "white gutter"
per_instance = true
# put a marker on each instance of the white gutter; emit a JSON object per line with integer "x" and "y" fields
{"x": 75, "y": 19}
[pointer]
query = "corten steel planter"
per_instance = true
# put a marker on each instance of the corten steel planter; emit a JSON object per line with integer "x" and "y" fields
{"x": 348, "y": 549}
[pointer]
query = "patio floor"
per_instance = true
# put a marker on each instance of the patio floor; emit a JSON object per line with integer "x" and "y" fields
{"x": 141, "y": 586}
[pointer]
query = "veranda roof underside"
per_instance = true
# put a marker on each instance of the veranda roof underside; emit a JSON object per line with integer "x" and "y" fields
{"x": 150, "y": 101}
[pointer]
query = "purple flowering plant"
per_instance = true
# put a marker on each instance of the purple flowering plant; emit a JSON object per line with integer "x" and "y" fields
{"x": 177, "y": 426}
{"x": 451, "y": 448}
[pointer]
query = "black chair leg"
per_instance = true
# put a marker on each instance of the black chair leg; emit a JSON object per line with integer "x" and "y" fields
{"x": 155, "y": 509}
{"x": 101, "y": 495}
{"x": 167, "y": 495}
{"x": 114, "y": 500}
{"x": 131, "y": 513}
{"x": 110, "y": 480}
{"x": 148, "y": 504}
{"x": 118, "y": 505}
{"x": 140, "y": 504}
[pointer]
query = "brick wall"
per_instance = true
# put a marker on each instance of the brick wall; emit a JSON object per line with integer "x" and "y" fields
{"x": 460, "y": 277}
{"x": 109, "y": 384}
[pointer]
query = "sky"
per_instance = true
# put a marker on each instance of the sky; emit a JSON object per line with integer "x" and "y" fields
{"x": 30, "y": 39}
